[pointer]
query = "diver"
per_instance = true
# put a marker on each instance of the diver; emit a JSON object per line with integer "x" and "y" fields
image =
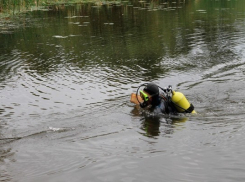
{"x": 167, "y": 101}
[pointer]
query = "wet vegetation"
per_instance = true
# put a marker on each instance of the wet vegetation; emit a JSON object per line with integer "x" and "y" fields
{"x": 8, "y": 7}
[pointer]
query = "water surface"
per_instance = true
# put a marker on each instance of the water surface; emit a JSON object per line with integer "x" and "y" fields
{"x": 67, "y": 72}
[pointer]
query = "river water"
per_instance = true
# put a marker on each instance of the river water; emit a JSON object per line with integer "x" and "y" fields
{"x": 67, "y": 72}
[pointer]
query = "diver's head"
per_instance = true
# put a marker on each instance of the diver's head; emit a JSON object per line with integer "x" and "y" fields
{"x": 150, "y": 94}
{"x": 152, "y": 89}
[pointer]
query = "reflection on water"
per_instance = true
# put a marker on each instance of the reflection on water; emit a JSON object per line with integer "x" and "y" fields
{"x": 151, "y": 123}
{"x": 66, "y": 76}
{"x": 85, "y": 59}
{"x": 6, "y": 157}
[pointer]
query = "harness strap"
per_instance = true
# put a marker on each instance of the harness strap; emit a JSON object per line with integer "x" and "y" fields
{"x": 190, "y": 109}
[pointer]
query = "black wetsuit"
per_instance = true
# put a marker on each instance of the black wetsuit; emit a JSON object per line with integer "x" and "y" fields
{"x": 162, "y": 105}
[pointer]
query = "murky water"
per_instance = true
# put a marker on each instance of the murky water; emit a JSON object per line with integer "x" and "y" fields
{"x": 67, "y": 72}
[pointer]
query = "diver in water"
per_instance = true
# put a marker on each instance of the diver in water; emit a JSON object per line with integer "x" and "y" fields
{"x": 168, "y": 101}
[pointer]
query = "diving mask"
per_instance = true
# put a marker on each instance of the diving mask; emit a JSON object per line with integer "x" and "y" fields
{"x": 144, "y": 96}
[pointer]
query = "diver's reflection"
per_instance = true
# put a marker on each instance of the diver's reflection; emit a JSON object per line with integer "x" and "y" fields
{"x": 154, "y": 125}
{"x": 150, "y": 125}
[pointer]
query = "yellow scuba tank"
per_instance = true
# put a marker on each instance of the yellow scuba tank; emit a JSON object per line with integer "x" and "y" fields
{"x": 181, "y": 103}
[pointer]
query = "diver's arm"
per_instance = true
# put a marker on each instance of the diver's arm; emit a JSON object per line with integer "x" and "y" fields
{"x": 134, "y": 100}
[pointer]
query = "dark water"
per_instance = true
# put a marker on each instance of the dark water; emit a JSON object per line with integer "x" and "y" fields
{"x": 67, "y": 72}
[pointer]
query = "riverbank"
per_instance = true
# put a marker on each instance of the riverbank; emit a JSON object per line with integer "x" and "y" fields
{"x": 13, "y": 12}
{"x": 9, "y": 8}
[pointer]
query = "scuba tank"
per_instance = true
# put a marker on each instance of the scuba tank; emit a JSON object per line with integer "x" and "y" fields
{"x": 181, "y": 103}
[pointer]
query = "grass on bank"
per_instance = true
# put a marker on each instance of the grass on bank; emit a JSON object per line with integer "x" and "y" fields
{"x": 12, "y": 7}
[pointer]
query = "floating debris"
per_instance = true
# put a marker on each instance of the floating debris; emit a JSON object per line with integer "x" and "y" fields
{"x": 201, "y": 11}
{"x": 60, "y": 37}
{"x": 108, "y": 23}
{"x": 60, "y": 129}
